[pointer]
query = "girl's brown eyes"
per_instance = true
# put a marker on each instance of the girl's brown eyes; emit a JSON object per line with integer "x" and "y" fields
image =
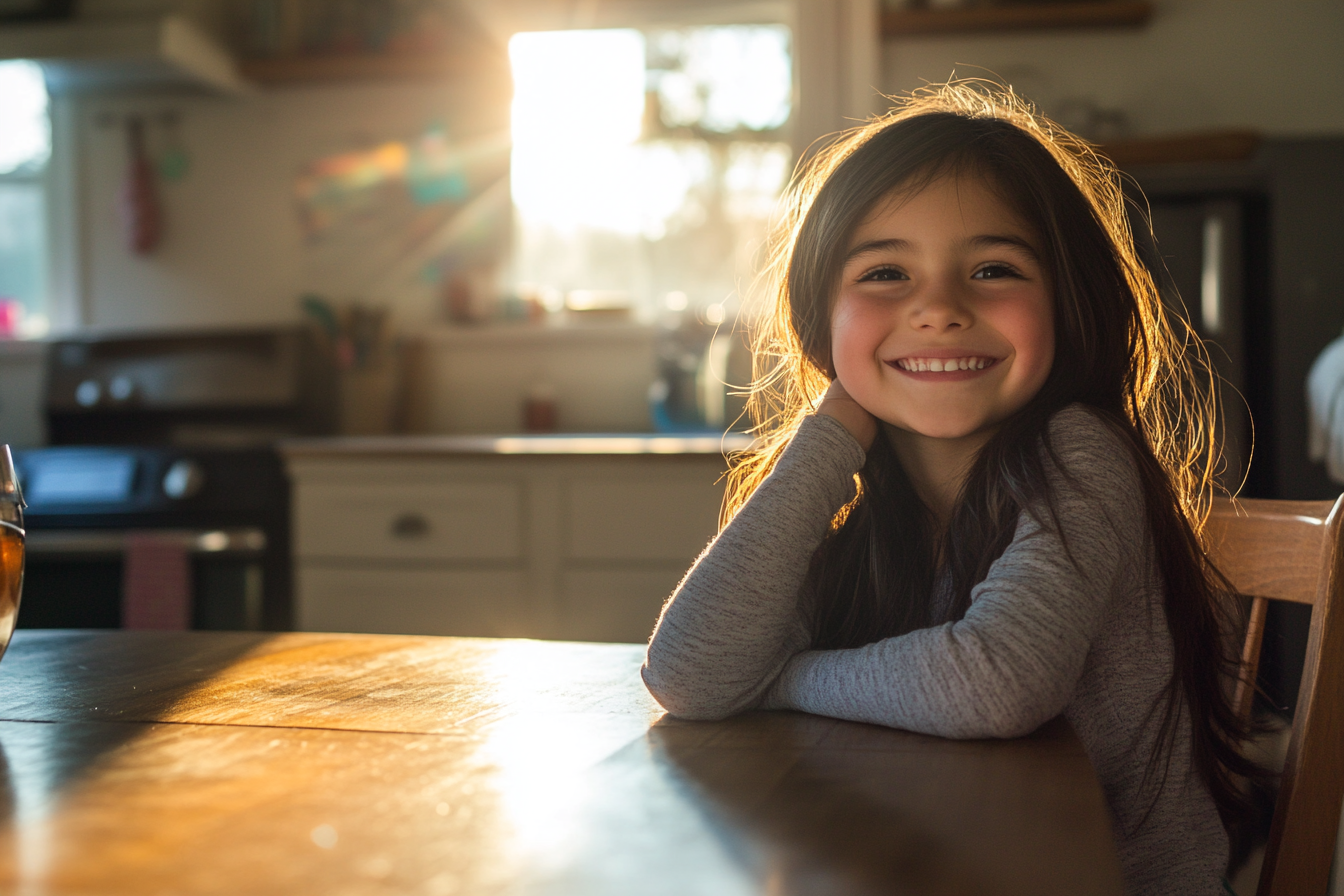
{"x": 995, "y": 272}
{"x": 988, "y": 272}
{"x": 883, "y": 274}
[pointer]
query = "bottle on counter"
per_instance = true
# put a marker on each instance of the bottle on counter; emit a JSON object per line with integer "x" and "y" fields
{"x": 539, "y": 409}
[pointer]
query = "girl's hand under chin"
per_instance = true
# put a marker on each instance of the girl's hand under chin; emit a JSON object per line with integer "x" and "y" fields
{"x": 838, "y": 404}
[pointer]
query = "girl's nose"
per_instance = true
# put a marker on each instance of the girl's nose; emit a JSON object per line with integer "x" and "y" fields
{"x": 940, "y": 308}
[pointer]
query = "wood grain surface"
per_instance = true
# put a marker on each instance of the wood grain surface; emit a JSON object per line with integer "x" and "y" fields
{"x": 184, "y": 763}
{"x": 1274, "y": 552}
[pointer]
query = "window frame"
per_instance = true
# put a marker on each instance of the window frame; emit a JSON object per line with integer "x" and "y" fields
{"x": 67, "y": 306}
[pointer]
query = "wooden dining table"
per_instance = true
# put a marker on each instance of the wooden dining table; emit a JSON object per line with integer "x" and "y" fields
{"x": 252, "y": 763}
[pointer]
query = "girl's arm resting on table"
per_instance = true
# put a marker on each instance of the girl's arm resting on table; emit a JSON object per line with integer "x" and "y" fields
{"x": 734, "y": 621}
{"x": 1014, "y": 660}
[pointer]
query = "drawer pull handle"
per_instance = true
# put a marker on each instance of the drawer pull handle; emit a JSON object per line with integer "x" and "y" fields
{"x": 410, "y": 525}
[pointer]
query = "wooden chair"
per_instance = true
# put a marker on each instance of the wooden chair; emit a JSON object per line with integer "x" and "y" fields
{"x": 1292, "y": 550}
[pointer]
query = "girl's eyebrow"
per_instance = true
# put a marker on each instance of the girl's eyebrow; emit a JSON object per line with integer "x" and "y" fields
{"x": 893, "y": 245}
{"x": 994, "y": 240}
{"x": 982, "y": 241}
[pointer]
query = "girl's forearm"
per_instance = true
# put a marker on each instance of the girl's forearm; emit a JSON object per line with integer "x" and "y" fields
{"x": 1014, "y": 660}
{"x": 960, "y": 680}
{"x": 734, "y": 621}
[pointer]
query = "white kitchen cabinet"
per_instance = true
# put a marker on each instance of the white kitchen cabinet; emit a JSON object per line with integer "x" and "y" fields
{"x": 410, "y": 520}
{"x": 355, "y": 597}
{"x": 657, "y": 513}
{"x": 439, "y": 535}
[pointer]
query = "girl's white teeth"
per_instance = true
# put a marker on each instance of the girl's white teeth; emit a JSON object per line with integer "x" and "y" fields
{"x": 942, "y": 364}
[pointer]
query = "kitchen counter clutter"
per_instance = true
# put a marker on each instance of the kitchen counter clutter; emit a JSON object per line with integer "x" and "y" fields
{"x": 578, "y": 537}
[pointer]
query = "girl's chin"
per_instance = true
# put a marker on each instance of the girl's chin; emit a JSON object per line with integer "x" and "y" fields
{"x": 942, "y": 430}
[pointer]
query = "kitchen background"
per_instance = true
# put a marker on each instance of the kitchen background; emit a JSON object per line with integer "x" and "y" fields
{"x": 252, "y": 219}
{"x": 502, "y": 217}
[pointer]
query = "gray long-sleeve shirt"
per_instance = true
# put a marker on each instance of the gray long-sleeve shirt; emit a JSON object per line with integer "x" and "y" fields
{"x": 1079, "y": 632}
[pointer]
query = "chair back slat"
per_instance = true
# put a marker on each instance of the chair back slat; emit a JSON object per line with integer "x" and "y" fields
{"x": 1291, "y": 550}
{"x": 1243, "y": 698}
{"x": 1270, "y": 548}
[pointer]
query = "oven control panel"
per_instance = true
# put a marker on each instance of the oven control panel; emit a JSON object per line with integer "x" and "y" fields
{"x": 102, "y": 480}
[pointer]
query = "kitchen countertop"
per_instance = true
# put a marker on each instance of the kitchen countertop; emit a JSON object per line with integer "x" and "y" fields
{"x": 562, "y": 444}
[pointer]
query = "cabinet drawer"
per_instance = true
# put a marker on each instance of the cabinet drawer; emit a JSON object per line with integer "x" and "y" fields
{"x": 481, "y": 603}
{"x": 670, "y": 519}
{"x": 433, "y": 521}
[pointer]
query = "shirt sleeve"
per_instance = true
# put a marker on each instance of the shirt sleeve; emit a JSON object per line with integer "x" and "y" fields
{"x": 1014, "y": 660}
{"x": 734, "y": 620}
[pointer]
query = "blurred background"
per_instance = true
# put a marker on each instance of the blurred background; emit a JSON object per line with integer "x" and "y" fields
{"x": 227, "y": 225}
{"x": 569, "y": 199}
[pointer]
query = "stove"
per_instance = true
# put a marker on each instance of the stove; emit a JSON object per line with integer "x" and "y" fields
{"x": 161, "y": 501}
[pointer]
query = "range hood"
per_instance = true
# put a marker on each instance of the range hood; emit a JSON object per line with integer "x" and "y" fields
{"x": 101, "y": 54}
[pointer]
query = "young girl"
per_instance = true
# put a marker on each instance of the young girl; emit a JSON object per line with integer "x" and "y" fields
{"x": 978, "y": 502}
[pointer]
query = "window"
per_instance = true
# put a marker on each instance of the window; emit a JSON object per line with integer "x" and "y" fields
{"x": 647, "y": 163}
{"x": 25, "y": 148}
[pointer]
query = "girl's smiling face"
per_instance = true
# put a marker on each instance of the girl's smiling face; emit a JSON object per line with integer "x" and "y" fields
{"x": 943, "y": 325}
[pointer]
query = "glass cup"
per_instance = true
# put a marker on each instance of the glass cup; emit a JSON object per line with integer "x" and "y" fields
{"x": 11, "y": 547}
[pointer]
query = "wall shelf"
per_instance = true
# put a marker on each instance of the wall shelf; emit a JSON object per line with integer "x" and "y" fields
{"x": 1213, "y": 146}
{"x": 1017, "y": 17}
{"x": 282, "y": 70}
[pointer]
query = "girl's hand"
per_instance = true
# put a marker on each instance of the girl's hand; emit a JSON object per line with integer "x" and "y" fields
{"x": 861, "y": 424}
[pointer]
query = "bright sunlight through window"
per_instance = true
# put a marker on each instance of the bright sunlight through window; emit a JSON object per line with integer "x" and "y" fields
{"x": 577, "y": 108}
{"x": 25, "y": 130}
{"x": 25, "y": 147}
{"x": 647, "y": 164}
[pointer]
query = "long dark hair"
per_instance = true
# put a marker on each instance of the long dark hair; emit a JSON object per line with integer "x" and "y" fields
{"x": 1117, "y": 351}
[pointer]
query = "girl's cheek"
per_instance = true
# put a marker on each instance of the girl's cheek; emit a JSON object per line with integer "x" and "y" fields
{"x": 855, "y": 317}
{"x": 1041, "y": 338}
{"x": 842, "y": 317}
{"x": 849, "y": 341}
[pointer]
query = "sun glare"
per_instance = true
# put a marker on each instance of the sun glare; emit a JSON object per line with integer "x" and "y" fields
{"x": 648, "y": 162}
{"x": 25, "y": 134}
{"x": 577, "y": 107}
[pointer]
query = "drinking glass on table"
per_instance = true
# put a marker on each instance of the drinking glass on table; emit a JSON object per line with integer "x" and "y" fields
{"x": 11, "y": 547}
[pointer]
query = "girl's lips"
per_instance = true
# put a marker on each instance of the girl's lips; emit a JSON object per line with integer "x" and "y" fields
{"x": 942, "y": 369}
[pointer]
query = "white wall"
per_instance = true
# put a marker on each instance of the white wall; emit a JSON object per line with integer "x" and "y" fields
{"x": 1272, "y": 65}
{"x": 233, "y": 250}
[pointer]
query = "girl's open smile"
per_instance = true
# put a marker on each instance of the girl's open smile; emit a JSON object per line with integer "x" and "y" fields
{"x": 943, "y": 367}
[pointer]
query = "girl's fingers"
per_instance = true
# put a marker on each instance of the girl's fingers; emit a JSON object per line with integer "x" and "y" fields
{"x": 837, "y": 403}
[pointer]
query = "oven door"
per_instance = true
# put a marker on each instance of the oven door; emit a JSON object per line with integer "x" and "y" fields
{"x": 155, "y": 537}
{"x": 81, "y": 578}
